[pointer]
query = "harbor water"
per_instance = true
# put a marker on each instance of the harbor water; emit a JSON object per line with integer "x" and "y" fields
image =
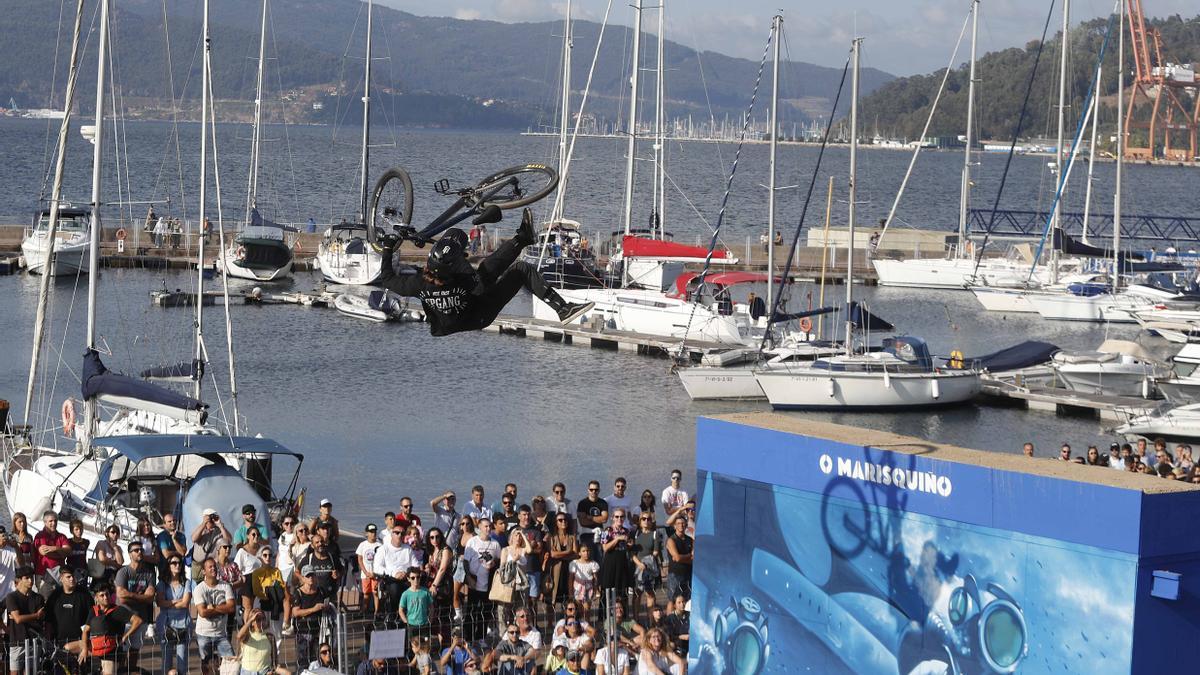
{"x": 382, "y": 411}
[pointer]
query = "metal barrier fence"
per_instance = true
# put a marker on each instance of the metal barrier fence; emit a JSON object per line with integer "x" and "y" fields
{"x": 339, "y": 637}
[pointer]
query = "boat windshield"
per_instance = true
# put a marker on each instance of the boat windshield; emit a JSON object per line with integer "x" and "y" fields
{"x": 66, "y": 223}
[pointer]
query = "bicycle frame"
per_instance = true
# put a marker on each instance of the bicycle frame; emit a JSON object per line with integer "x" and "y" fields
{"x": 451, "y": 216}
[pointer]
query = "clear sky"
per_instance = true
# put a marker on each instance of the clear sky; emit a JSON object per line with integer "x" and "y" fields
{"x": 903, "y": 37}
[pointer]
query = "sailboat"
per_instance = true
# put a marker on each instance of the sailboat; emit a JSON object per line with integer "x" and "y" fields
{"x": 901, "y": 375}
{"x": 344, "y": 255}
{"x": 261, "y": 251}
{"x": 646, "y": 266}
{"x": 109, "y": 481}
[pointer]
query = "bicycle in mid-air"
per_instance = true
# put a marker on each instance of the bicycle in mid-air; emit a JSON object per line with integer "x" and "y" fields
{"x": 391, "y": 206}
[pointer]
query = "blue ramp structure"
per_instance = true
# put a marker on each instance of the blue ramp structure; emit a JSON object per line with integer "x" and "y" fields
{"x": 828, "y": 549}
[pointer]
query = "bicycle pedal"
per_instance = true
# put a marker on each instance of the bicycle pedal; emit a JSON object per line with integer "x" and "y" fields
{"x": 442, "y": 186}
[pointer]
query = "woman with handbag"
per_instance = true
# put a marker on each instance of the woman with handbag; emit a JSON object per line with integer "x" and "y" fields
{"x": 174, "y": 621}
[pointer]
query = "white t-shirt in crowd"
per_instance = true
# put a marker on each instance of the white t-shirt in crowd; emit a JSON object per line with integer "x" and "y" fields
{"x": 621, "y": 660}
{"x": 477, "y": 553}
{"x": 585, "y": 571}
{"x": 673, "y": 500}
{"x": 247, "y": 561}
{"x": 367, "y": 550}
{"x": 211, "y": 595}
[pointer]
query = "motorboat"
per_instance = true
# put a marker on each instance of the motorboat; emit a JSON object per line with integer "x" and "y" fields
{"x": 71, "y": 244}
{"x": 260, "y": 252}
{"x": 564, "y": 257}
{"x": 346, "y": 258}
{"x": 1179, "y": 424}
{"x": 901, "y": 375}
{"x": 711, "y": 383}
{"x": 378, "y": 306}
{"x": 698, "y": 309}
{"x": 1183, "y": 385}
{"x": 1117, "y": 368}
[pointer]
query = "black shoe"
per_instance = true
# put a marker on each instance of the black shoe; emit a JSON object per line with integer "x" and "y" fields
{"x": 525, "y": 232}
{"x": 571, "y": 311}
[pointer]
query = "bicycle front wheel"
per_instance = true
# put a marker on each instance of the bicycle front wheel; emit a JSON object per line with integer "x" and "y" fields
{"x": 391, "y": 202}
{"x": 516, "y": 186}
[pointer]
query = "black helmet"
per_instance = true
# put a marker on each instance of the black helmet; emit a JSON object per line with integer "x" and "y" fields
{"x": 448, "y": 256}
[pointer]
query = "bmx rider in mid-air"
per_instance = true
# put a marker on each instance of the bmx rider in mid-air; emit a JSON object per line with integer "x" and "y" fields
{"x": 458, "y": 297}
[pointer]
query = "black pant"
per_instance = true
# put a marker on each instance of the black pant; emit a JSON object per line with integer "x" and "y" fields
{"x": 504, "y": 276}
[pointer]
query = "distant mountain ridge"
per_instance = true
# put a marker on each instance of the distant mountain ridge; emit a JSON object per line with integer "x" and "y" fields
{"x": 508, "y": 72}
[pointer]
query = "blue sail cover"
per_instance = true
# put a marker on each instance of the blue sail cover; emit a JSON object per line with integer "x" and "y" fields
{"x": 179, "y": 371}
{"x": 1023, "y": 355}
{"x": 910, "y": 349}
{"x": 97, "y": 380}
{"x": 859, "y": 316}
{"x": 791, "y": 316}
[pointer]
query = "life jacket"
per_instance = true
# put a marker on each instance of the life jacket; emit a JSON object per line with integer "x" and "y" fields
{"x": 102, "y": 645}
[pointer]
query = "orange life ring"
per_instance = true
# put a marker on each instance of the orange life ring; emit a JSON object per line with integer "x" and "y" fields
{"x": 240, "y": 253}
{"x": 805, "y": 324}
{"x": 121, "y": 234}
{"x": 68, "y": 418}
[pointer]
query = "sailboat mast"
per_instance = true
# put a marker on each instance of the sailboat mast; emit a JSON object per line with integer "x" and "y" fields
{"x": 1087, "y": 198}
{"x": 1062, "y": 111}
{"x": 206, "y": 64}
{"x": 776, "y": 27}
{"x": 39, "y": 323}
{"x": 856, "y": 52}
{"x": 1116, "y": 285}
{"x": 366, "y": 133}
{"x": 94, "y": 234}
{"x": 564, "y": 119}
{"x": 964, "y": 199}
{"x": 660, "y": 148}
{"x": 252, "y": 189}
{"x": 631, "y": 147}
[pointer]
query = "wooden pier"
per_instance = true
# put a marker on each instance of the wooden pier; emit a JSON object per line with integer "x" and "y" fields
{"x": 604, "y": 338}
{"x": 1066, "y": 402}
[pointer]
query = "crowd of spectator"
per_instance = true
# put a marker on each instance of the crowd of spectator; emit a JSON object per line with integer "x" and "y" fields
{"x": 548, "y": 585}
{"x": 1141, "y": 457}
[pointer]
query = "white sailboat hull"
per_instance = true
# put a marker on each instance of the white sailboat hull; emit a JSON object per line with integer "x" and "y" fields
{"x": 713, "y": 384}
{"x": 70, "y": 256}
{"x": 348, "y": 269}
{"x": 230, "y": 267}
{"x": 1009, "y": 300}
{"x": 1109, "y": 379}
{"x": 653, "y": 313}
{"x": 821, "y": 389}
{"x": 950, "y": 273}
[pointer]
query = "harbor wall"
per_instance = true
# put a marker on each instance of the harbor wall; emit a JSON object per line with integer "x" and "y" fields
{"x": 830, "y": 549}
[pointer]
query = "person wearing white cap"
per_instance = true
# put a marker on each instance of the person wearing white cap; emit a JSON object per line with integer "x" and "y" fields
{"x": 326, "y": 516}
{"x": 204, "y": 540}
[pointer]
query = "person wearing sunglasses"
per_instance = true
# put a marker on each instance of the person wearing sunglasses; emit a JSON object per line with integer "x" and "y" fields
{"x": 445, "y": 515}
{"x": 324, "y": 658}
{"x": 512, "y": 655}
{"x": 135, "y": 586}
{"x": 592, "y": 514}
{"x": 674, "y": 497}
{"x": 647, "y": 557}
{"x": 268, "y": 594}
{"x": 415, "y": 603}
{"x": 174, "y": 622}
{"x": 392, "y": 561}
{"x": 108, "y": 626}
{"x": 205, "y": 540}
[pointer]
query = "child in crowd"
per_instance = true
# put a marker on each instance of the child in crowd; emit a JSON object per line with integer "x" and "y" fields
{"x": 583, "y": 575}
{"x": 421, "y": 660}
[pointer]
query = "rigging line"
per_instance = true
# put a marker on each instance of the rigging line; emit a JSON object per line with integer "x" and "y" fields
{"x": 53, "y": 86}
{"x": 287, "y": 137}
{"x": 712, "y": 242}
{"x": 787, "y": 267}
{"x": 1064, "y": 172}
{"x": 1012, "y": 146}
{"x": 912, "y": 163}
{"x": 712, "y": 119}
{"x": 558, "y": 200}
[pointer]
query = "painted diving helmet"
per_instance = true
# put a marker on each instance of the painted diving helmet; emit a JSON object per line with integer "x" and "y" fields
{"x": 990, "y": 629}
{"x": 740, "y": 633}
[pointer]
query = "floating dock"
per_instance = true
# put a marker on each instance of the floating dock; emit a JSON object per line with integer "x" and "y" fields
{"x": 1066, "y": 402}
{"x": 605, "y": 338}
{"x": 165, "y": 298}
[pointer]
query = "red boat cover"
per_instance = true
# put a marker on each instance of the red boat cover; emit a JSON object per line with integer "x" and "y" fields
{"x": 643, "y": 247}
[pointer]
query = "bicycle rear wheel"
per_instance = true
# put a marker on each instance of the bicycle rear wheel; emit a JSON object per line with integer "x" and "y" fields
{"x": 391, "y": 203}
{"x": 517, "y": 186}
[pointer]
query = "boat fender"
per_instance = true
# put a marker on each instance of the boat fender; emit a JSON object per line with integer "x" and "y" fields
{"x": 832, "y": 387}
{"x": 935, "y": 389}
{"x": 887, "y": 379}
{"x": 68, "y": 418}
{"x": 806, "y": 324}
{"x": 1145, "y": 387}
{"x": 956, "y": 359}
